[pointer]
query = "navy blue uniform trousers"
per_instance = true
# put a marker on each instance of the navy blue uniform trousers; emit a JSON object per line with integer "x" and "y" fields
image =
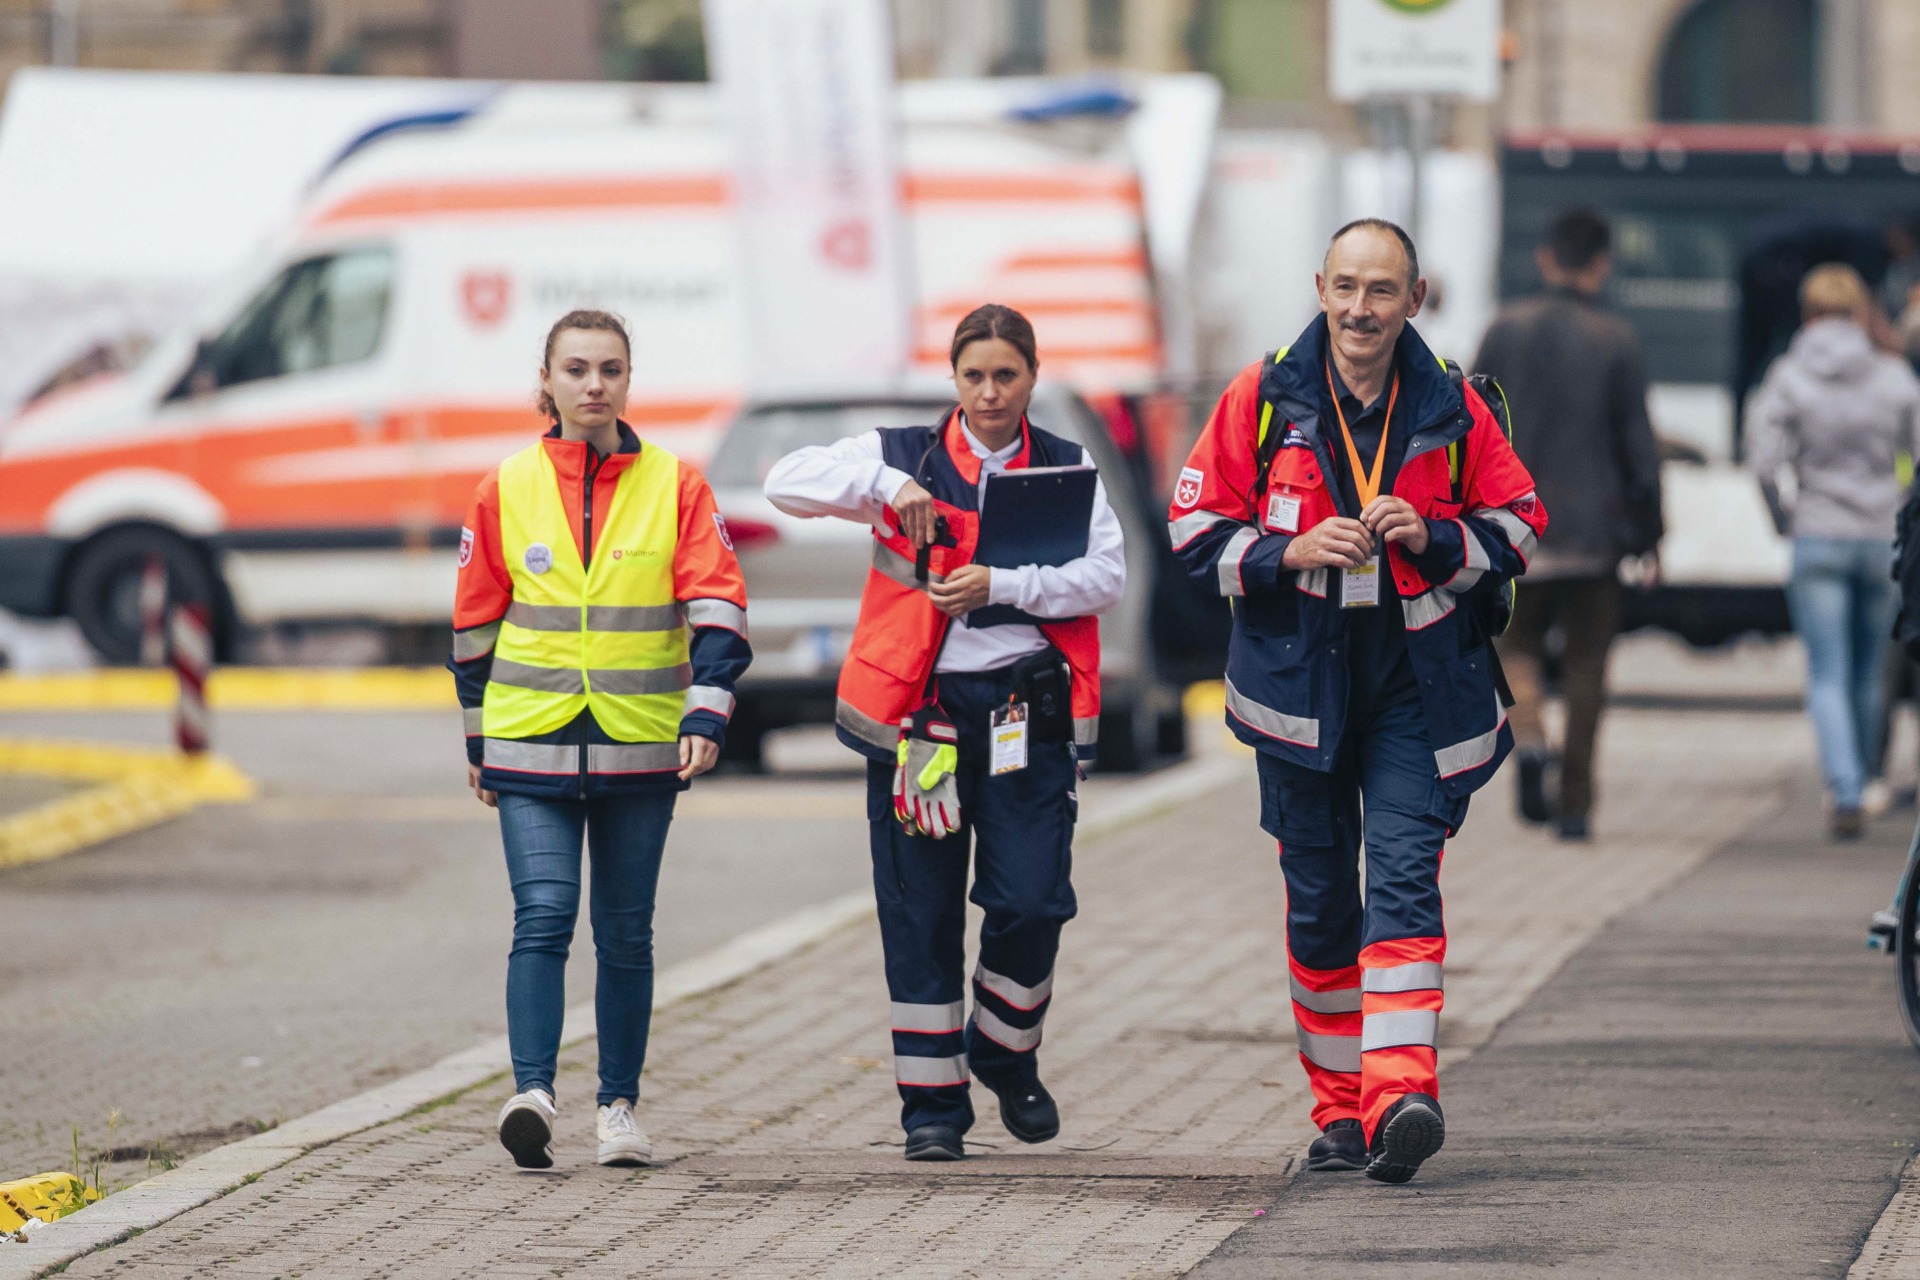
{"x": 1018, "y": 828}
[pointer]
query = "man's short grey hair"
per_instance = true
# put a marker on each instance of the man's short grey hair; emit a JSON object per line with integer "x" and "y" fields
{"x": 1379, "y": 224}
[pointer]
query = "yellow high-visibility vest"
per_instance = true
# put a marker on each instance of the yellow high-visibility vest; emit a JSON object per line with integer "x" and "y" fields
{"x": 609, "y": 638}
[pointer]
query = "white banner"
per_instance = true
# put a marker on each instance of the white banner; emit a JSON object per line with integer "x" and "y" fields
{"x": 807, "y": 87}
{"x": 1393, "y": 48}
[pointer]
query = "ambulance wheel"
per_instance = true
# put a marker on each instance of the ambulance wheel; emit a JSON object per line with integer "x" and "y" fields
{"x": 103, "y": 586}
{"x": 1128, "y": 736}
{"x": 745, "y": 750}
{"x": 1906, "y": 951}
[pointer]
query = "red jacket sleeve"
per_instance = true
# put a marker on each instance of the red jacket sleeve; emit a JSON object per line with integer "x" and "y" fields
{"x": 708, "y": 584}
{"x": 1211, "y": 520}
{"x": 482, "y": 592}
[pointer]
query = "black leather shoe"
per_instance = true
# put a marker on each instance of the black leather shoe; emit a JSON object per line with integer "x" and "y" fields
{"x": 935, "y": 1142}
{"x": 1029, "y": 1112}
{"x": 1341, "y": 1145}
{"x": 1409, "y": 1134}
{"x": 1531, "y": 791}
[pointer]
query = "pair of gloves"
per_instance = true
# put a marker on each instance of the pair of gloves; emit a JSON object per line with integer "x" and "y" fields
{"x": 926, "y": 795}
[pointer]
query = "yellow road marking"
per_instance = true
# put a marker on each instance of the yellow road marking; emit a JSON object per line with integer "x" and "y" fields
{"x": 135, "y": 787}
{"x": 235, "y": 689}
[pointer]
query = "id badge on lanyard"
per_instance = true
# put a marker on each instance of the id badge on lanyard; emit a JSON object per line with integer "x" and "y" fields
{"x": 1360, "y": 585}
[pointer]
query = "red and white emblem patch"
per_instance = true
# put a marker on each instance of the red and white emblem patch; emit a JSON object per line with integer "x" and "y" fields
{"x": 726, "y": 539}
{"x": 466, "y": 546}
{"x": 486, "y": 295}
{"x": 1187, "y": 492}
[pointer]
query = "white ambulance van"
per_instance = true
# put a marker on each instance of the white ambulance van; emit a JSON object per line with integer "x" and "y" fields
{"x": 305, "y": 450}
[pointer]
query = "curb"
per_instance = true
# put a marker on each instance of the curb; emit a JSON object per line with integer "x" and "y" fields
{"x": 207, "y": 1177}
{"x": 138, "y": 787}
{"x": 236, "y": 689}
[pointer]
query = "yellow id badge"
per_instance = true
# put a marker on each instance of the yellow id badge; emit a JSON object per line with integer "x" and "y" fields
{"x": 1007, "y": 732}
{"x": 1360, "y": 585}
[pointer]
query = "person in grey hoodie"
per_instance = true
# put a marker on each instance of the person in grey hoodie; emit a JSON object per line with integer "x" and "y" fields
{"x": 1828, "y": 429}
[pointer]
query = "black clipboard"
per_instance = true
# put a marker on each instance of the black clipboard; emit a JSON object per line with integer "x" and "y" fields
{"x": 1036, "y": 515}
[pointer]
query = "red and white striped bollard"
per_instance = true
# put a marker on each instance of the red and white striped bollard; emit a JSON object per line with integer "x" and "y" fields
{"x": 192, "y": 658}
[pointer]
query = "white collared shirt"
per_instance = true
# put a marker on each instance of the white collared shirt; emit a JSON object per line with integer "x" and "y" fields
{"x": 850, "y": 479}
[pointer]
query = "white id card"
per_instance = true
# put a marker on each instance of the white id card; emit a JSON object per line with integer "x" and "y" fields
{"x": 1283, "y": 512}
{"x": 1007, "y": 731}
{"x": 1360, "y": 585}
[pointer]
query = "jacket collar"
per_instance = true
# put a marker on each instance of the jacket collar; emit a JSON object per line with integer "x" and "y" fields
{"x": 1296, "y": 385}
{"x": 962, "y": 455}
{"x": 571, "y": 457}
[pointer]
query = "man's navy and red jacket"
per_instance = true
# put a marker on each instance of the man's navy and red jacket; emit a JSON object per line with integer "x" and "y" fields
{"x": 1287, "y": 664}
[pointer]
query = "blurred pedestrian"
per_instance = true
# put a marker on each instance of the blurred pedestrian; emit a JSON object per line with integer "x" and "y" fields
{"x": 1576, "y": 386}
{"x": 973, "y": 726}
{"x": 1826, "y": 430}
{"x": 599, "y": 627}
{"x": 1361, "y": 510}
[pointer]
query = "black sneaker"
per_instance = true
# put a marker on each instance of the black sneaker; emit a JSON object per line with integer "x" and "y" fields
{"x": 1028, "y": 1111}
{"x": 1574, "y": 829}
{"x": 1341, "y": 1145}
{"x": 1409, "y": 1134}
{"x": 1849, "y": 824}
{"x": 935, "y": 1142}
{"x": 1531, "y": 791}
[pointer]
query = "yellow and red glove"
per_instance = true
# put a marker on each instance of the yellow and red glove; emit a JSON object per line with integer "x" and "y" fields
{"x": 926, "y": 795}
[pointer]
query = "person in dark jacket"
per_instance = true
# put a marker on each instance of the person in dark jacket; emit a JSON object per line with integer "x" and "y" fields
{"x": 1576, "y": 386}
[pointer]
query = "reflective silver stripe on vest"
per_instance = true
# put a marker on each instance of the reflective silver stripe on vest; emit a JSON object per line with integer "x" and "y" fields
{"x": 1086, "y": 731}
{"x": 929, "y": 1073}
{"x": 544, "y": 617}
{"x": 716, "y": 613}
{"x": 865, "y": 727}
{"x": 545, "y": 679}
{"x": 705, "y": 697}
{"x": 1420, "y": 975}
{"x": 1001, "y": 1032}
{"x": 1230, "y": 556}
{"x": 633, "y": 617}
{"x": 1427, "y": 608}
{"x": 1025, "y": 999}
{"x": 1477, "y": 560}
{"x": 1193, "y": 524}
{"x": 475, "y": 642}
{"x": 1299, "y": 730}
{"x": 1338, "y": 1000}
{"x": 1519, "y": 533}
{"x": 1311, "y": 581}
{"x": 896, "y": 566}
{"x": 1474, "y": 752}
{"x": 1399, "y": 1027}
{"x": 929, "y": 1019}
{"x": 633, "y": 757}
{"x": 1330, "y": 1053}
{"x": 622, "y": 682}
{"x": 473, "y": 720}
{"x": 531, "y": 757}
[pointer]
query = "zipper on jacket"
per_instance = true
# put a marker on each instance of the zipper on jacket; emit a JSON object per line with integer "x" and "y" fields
{"x": 594, "y": 463}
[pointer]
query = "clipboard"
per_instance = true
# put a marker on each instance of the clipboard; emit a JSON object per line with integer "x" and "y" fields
{"x": 1036, "y": 515}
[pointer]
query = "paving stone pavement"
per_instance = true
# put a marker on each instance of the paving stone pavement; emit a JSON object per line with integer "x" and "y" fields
{"x": 1170, "y": 1047}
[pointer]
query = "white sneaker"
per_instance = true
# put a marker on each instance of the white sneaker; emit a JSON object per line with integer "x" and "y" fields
{"x": 1876, "y": 798}
{"x": 622, "y": 1141}
{"x": 526, "y": 1128}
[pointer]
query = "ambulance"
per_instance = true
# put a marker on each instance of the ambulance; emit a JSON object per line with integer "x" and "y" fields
{"x": 304, "y": 450}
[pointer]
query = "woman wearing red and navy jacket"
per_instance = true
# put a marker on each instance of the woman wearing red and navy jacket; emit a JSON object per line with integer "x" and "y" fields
{"x": 1357, "y": 507}
{"x": 599, "y": 627}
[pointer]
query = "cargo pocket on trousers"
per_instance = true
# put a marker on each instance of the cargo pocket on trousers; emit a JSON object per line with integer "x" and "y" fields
{"x": 1296, "y": 805}
{"x": 1451, "y": 810}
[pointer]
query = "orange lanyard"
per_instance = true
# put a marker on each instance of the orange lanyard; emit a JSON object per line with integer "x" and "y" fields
{"x": 1366, "y": 484}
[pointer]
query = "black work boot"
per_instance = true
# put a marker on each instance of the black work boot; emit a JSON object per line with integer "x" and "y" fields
{"x": 1410, "y": 1132}
{"x": 1341, "y": 1145}
{"x": 1027, "y": 1110}
{"x": 935, "y": 1142}
{"x": 1530, "y": 789}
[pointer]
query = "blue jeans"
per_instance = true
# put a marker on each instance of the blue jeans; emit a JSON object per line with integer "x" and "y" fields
{"x": 627, "y": 834}
{"x": 1843, "y": 604}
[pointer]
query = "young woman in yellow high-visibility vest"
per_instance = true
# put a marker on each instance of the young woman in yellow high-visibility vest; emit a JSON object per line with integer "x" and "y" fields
{"x": 599, "y": 627}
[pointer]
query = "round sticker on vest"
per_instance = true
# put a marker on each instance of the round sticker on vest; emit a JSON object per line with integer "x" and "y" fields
{"x": 539, "y": 558}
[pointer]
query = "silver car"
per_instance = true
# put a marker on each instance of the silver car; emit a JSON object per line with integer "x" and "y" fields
{"x": 804, "y": 577}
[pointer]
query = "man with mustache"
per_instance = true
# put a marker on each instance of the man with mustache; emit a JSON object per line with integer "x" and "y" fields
{"x": 1361, "y": 509}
